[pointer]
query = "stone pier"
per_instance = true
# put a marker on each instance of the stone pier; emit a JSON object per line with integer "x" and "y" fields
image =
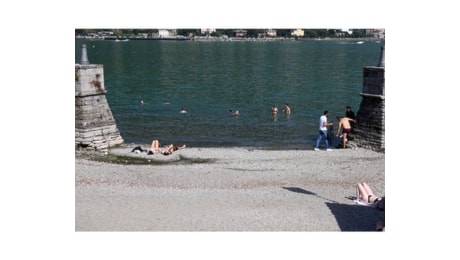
{"x": 95, "y": 127}
{"x": 369, "y": 131}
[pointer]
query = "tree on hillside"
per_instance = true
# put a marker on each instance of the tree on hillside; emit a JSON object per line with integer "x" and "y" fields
{"x": 283, "y": 32}
{"x": 186, "y": 32}
{"x": 253, "y": 33}
{"x": 358, "y": 33}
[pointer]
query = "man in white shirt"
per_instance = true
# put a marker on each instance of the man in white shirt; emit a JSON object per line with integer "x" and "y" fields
{"x": 323, "y": 124}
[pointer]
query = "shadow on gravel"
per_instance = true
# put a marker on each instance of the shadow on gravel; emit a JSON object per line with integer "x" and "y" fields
{"x": 300, "y": 190}
{"x": 356, "y": 217}
{"x": 349, "y": 217}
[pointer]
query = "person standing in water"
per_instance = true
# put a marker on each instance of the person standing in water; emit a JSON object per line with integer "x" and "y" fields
{"x": 350, "y": 114}
{"x": 274, "y": 109}
{"x": 287, "y": 109}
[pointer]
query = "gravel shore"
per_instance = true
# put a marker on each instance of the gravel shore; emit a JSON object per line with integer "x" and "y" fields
{"x": 228, "y": 189}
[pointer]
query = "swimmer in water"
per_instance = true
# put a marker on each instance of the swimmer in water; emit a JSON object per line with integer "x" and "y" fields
{"x": 287, "y": 109}
{"x": 274, "y": 109}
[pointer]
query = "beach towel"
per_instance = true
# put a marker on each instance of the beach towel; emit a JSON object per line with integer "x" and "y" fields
{"x": 362, "y": 203}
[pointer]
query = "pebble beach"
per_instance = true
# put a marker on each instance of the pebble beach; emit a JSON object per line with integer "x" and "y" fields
{"x": 228, "y": 189}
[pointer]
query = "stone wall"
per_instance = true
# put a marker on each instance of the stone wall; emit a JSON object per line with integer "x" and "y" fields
{"x": 95, "y": 127}
{"x": 369, "y": 131}
{"x": 89, "y": 80}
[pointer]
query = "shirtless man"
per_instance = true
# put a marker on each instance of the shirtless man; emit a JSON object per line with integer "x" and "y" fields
{"x": 287, "y": 109}
{"x": 344, "y": 125}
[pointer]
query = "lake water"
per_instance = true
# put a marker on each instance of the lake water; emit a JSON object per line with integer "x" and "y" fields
{"x": 209, "y": 78}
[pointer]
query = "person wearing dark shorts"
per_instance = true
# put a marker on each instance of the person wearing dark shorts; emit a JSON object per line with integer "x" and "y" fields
{"x": 344, "y": 125}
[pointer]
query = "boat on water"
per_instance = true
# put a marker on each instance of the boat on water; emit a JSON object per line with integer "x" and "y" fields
{"x": 124, "y": 40}
{"x": 360, "y": 42}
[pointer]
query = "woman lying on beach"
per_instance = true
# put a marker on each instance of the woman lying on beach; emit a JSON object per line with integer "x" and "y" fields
{"x": 365, "y": 196}
{"x": 155, "y": 149}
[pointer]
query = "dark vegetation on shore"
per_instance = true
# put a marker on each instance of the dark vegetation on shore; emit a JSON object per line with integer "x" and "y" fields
{"x": 133, "y": 160}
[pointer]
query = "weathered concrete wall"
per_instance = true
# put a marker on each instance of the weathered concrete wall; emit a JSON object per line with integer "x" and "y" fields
{"x": 89, "y": 80}
{"x": 369, "y": 131}
{"x": 95, "y": 127}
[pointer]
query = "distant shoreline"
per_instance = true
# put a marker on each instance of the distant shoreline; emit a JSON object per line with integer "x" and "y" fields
{"x": 229, "y": 39}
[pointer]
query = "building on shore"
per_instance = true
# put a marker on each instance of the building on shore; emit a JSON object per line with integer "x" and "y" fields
{"x": 298, "y": 33}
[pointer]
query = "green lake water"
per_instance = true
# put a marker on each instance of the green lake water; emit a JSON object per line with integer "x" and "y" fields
{"x": 209, "y": 78}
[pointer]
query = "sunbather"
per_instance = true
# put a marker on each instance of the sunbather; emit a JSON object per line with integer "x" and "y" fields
{"x": 364, "y": 195}
{"x": 155, "y": 148}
